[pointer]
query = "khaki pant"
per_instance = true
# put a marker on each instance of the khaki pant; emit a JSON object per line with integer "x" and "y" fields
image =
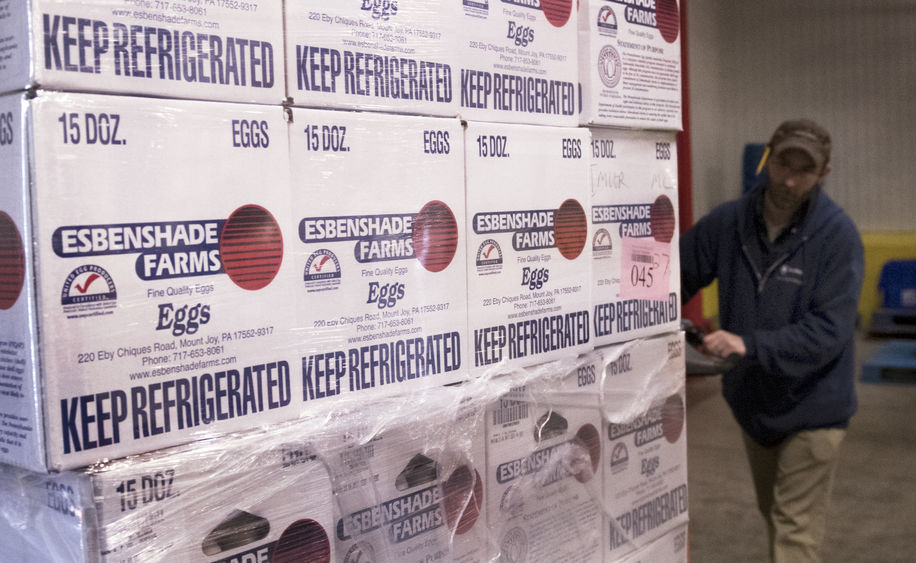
{"x": 793, "y": 481}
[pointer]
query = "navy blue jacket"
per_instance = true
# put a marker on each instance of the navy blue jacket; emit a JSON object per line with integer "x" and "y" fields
{"x": 797, "y": 316}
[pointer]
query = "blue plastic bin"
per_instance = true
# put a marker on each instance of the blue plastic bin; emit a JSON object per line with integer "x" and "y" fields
{"x": 898, "y": 284}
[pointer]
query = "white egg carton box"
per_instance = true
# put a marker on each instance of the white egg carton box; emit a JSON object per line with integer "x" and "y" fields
{"x": 251, "y": 497}
{"x": 378, "y": 205}
{"x": 518, "y": 61}
{"x": 630, "y": 64}
{"x": 644, "y": 443}
{"x": 529, "y": 287}
{"x": 636, "y": 275}
{"x": 196, "y": 49}
{"x": 146, "y": 290}
{"x": 412, "y": 488}
{"x": 373, "y": 55}
{"x": 544, "y": 478}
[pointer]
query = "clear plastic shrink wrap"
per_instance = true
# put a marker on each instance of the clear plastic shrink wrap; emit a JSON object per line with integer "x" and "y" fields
{"x": 644, "y": 456}
{"x": 388, "y": 483}
{"x": 599, "y": 470}
{"x": 544, "y": 485}
{"x": 228, "y": 51}
{"x": 374, "y": 55}
{"x": 630, "y": 63}
{"x": 519, "y": 466}
{"x": 247, "y": 497}
{"x": 201, "y": 267}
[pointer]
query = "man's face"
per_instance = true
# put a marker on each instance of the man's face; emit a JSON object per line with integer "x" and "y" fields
{"x": 793, "y": 174}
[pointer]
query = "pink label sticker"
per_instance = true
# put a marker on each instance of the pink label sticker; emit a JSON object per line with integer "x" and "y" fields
{"x": 645, "y": 269}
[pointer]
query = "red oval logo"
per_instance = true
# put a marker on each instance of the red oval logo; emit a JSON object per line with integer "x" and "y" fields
{"x": 463, "y": 492}
{"x": 668, "y": 19}
{"x": 303, "y": 541}
{"x": 435, "y": 236}
{"x": 12, "y": 262}
{"x": 570, "y": 228}
{"x": 661, "y": 219}
{"x": 557, "y": 11}
{"x": 251, "y": 247}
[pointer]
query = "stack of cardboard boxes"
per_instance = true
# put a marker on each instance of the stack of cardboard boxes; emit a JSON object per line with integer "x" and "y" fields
{"x": 341, "y": 281}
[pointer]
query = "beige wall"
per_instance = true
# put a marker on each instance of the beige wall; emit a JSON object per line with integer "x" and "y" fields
{"x": 850, "y": 64}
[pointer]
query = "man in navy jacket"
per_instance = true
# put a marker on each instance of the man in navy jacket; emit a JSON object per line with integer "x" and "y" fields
{"x": 789, "y": 263}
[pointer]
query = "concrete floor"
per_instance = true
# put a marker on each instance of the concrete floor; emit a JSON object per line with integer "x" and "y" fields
{"x": 873, "y": 514}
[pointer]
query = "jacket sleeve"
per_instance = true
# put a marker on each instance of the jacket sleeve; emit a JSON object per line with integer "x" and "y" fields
{"x": 699, "y": 247}
{"x": 818, "y": 337}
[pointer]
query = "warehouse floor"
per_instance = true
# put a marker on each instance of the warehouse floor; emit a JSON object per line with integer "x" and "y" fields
{"x": 873, "y": 515}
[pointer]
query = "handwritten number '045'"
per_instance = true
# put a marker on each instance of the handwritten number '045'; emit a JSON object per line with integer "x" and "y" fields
{"x": 641, "y": 276}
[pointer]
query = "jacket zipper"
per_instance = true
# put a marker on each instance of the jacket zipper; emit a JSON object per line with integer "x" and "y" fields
{"x": 761, "y": 280}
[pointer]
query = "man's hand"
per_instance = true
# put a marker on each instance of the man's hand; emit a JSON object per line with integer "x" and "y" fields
{"x": 723, "y": 344}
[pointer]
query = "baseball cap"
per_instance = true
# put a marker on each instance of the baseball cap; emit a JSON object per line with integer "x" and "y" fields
{"x": 805, "y": 135}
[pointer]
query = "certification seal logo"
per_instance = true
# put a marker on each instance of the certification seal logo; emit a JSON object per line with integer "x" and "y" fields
{"x": 360, "y": 552}
{"x": 489, "y": 258}
{"x": 512, "y": 501}
{"x": 602, "y": 246}
{"x": 322, "y": 271}
{"x": 88, "y": 291}
{"x": 620, "y": 458}
{"x": 514, "y": 547}
{"x": 476, "y": 8}
{"x": 609, "y": 66}
{"x": 607, "y": 22}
